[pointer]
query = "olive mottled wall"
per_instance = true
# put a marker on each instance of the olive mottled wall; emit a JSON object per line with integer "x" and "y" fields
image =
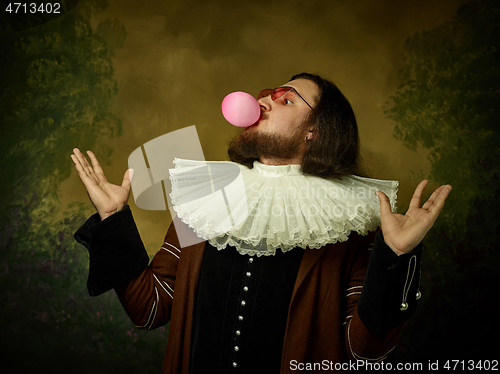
{"x": 180, "y": 58}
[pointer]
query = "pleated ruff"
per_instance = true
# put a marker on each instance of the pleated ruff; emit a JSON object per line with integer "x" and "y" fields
{"x": 267, "y": 207}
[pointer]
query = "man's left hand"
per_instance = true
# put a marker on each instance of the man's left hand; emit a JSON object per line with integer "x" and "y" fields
{"x": 402, "y": 233}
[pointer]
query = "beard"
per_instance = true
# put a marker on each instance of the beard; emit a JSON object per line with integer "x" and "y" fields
{"x": 250, "y": 144}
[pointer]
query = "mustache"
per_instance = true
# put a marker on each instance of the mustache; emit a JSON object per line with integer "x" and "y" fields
{"x": 262, "y": 117}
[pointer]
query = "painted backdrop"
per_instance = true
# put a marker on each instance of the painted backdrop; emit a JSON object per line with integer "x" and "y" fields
{"x": 422, "y": 76}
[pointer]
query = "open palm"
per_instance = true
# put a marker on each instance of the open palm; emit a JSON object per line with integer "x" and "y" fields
{"x": 107, "y": 198}
{"x": 402, "y": 233}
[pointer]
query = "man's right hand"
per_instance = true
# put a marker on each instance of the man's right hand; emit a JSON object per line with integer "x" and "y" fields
{"x": 107, "y": 198}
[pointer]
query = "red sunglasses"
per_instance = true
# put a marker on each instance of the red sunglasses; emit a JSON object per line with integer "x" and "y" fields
{"x": 276, "y": 93}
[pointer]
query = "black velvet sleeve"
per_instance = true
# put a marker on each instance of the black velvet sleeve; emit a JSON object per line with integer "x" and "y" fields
{"x": 390, "y": 289}
{"x": 116, "y": 251}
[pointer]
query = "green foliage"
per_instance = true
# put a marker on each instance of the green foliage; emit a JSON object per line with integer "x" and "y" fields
{"x": 112, "y": 32}
{"x": 49, "y": 316}
{"x": 58, "y": 83}
{"x": 54, "y": 95}
{"x": 449, "y": 102}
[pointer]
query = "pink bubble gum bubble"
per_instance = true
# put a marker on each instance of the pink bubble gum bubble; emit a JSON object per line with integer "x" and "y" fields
{"x": 240, "y": 109}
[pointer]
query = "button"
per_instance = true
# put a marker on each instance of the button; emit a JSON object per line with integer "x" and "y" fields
{"x": 243, "y": 303}
{"x": 235, "y": 364}
{"x": 250, "y": 260}
{"x": 240, "y": 318}
{"x": 249, "y": 274}
{"x": 245, "y": 288}
{"x": 236, "y": 348}
{"x": 403, "y": 307}
{"x": 238, "y": 332}
{"x": 419, "y": 295}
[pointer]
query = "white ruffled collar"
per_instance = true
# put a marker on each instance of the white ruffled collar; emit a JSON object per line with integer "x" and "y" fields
{"x": 267, "y": 207}
{"x": 275, "y": 170}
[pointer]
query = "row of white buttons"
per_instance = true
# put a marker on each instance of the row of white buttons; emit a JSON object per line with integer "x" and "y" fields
{"x": 240, "y": 317}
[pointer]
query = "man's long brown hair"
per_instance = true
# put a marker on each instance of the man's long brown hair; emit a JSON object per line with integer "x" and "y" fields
{"x": 335, "y": 150}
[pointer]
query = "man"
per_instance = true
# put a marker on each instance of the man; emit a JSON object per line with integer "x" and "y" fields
{"x": 309, "y": 300}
